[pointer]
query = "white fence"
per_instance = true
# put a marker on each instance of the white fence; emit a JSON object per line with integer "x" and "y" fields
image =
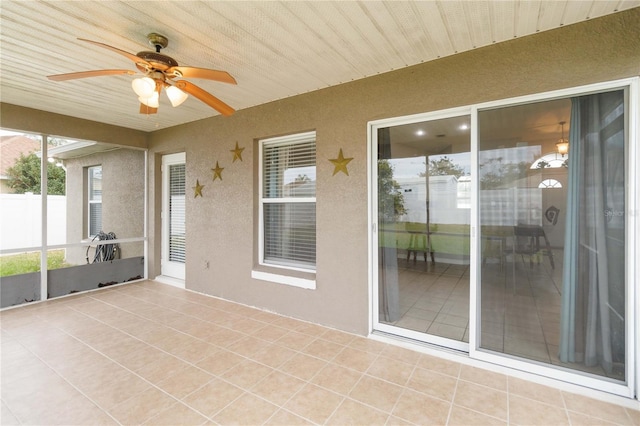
{"x": 21, "y": 220}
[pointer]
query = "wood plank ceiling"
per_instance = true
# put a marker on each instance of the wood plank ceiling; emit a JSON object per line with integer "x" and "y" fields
{"x": 274, "y": 49}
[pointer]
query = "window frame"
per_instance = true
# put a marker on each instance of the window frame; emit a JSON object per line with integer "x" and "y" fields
{"x": 91, "y": 201}
{"x": 262, "y": 200}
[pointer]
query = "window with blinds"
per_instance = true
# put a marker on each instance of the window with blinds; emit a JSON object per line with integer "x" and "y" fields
{"x": 177, "y": 219}
{"x": 288, "y": 201}
{"x": 94, "y": 180}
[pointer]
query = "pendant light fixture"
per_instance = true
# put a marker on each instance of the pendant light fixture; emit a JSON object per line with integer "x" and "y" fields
{"x": 562, "y": 146}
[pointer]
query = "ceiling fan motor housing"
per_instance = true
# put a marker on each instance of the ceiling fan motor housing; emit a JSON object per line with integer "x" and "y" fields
{"x": 157, "y": 60}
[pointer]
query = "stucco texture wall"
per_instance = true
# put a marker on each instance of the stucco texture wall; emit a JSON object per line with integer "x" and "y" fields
{"x": 122, "y": 200}
{"x": 34, "y": 121}
{"x": 221, "y": 225}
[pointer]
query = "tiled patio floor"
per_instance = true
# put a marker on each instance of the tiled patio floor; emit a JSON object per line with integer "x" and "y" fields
{"x": 148, "y": 353}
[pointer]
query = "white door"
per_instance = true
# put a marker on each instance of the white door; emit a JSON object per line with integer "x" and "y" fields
{"x": 173, "y": 217}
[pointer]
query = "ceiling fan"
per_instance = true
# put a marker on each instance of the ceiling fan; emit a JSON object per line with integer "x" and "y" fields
{"x": 160, "y": 71}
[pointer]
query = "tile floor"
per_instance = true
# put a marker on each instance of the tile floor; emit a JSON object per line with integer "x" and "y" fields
{"x": 520, "y": 306}
{"x": 147, "y": 353}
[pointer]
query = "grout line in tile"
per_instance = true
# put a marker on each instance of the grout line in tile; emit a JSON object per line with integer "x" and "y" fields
{"x": 453, "y": 397}
{"x": 415, "y": 365}
{"x": 153, "y": 384}
{"x": 509, "y": 399}
{"x": 245, "y": 390}
{"x": 297, "y": 350}
{"x": 67, "y": 381}
{"x": 482, "y": 413}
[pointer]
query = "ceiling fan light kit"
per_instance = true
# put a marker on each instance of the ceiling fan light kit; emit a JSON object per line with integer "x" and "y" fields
{"x": 144, "y": 87}
{"x": 152, "y": 101}
{"x": 175, "y": 95}
{"x": 160, "y": 71}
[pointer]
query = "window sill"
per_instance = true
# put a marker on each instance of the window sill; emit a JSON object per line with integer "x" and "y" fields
{"x": 309, "y": 284}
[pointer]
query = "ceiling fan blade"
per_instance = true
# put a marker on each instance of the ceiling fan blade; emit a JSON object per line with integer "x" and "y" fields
{"x": 193, "y": 72}
{"x": 128, "y": 55}
{"x": 85, "y": 74}
{"x": 205, "y": 97}
{"x": 144, "y": 109}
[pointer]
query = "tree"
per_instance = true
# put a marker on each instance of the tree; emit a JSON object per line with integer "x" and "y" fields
{"x": 444, "y": 166}
{"x": 390, "y": 198}
{"x": 494, "y": 174}
{"x": 24, "y": 176}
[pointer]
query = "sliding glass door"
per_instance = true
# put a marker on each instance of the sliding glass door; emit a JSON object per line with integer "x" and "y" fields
{"x": 506, "y": 230}
{"x": 423, "y": 193}
{"x": 553, "y": 232}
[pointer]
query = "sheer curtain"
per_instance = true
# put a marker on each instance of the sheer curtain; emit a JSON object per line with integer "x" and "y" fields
{"x": 388, "y": 285}
{"x": 593, "y": 291}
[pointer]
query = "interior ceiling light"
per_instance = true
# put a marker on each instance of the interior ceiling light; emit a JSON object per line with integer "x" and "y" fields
{"x": 562, "y": 146}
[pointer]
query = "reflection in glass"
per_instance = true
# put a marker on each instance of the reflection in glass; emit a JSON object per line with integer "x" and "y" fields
{"x": 553, "y": 258}
{"x": 424, "y": 200}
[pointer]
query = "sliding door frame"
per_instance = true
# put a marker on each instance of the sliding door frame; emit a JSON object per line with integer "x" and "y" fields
{"x": 632, "y": 272}
{"x": 376, "y": 325}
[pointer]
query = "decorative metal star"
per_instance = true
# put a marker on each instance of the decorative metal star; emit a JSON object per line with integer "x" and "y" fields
{"x": 197, "y": 189}
{"x": 217, "y": 172}
{"x": 340, "y": 164}
{"x": 237, "y": 153}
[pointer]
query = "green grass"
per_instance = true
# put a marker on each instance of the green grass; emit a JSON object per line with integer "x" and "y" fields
{"x": 24, "y": 263}
{"x": 445, "y": 238}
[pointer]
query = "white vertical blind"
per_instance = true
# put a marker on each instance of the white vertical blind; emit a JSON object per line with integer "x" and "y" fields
{"x": 289, "y": 201}
{"x": 177, "y": 219}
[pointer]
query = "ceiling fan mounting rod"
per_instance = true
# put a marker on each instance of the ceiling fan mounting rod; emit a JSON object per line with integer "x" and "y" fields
{"x": 158, "y": 41}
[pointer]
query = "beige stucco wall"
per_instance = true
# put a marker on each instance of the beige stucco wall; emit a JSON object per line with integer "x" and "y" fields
{"x": 221, "y": 225}
{"x": 122, "y": 200}
{"x": 34, "y": 121}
